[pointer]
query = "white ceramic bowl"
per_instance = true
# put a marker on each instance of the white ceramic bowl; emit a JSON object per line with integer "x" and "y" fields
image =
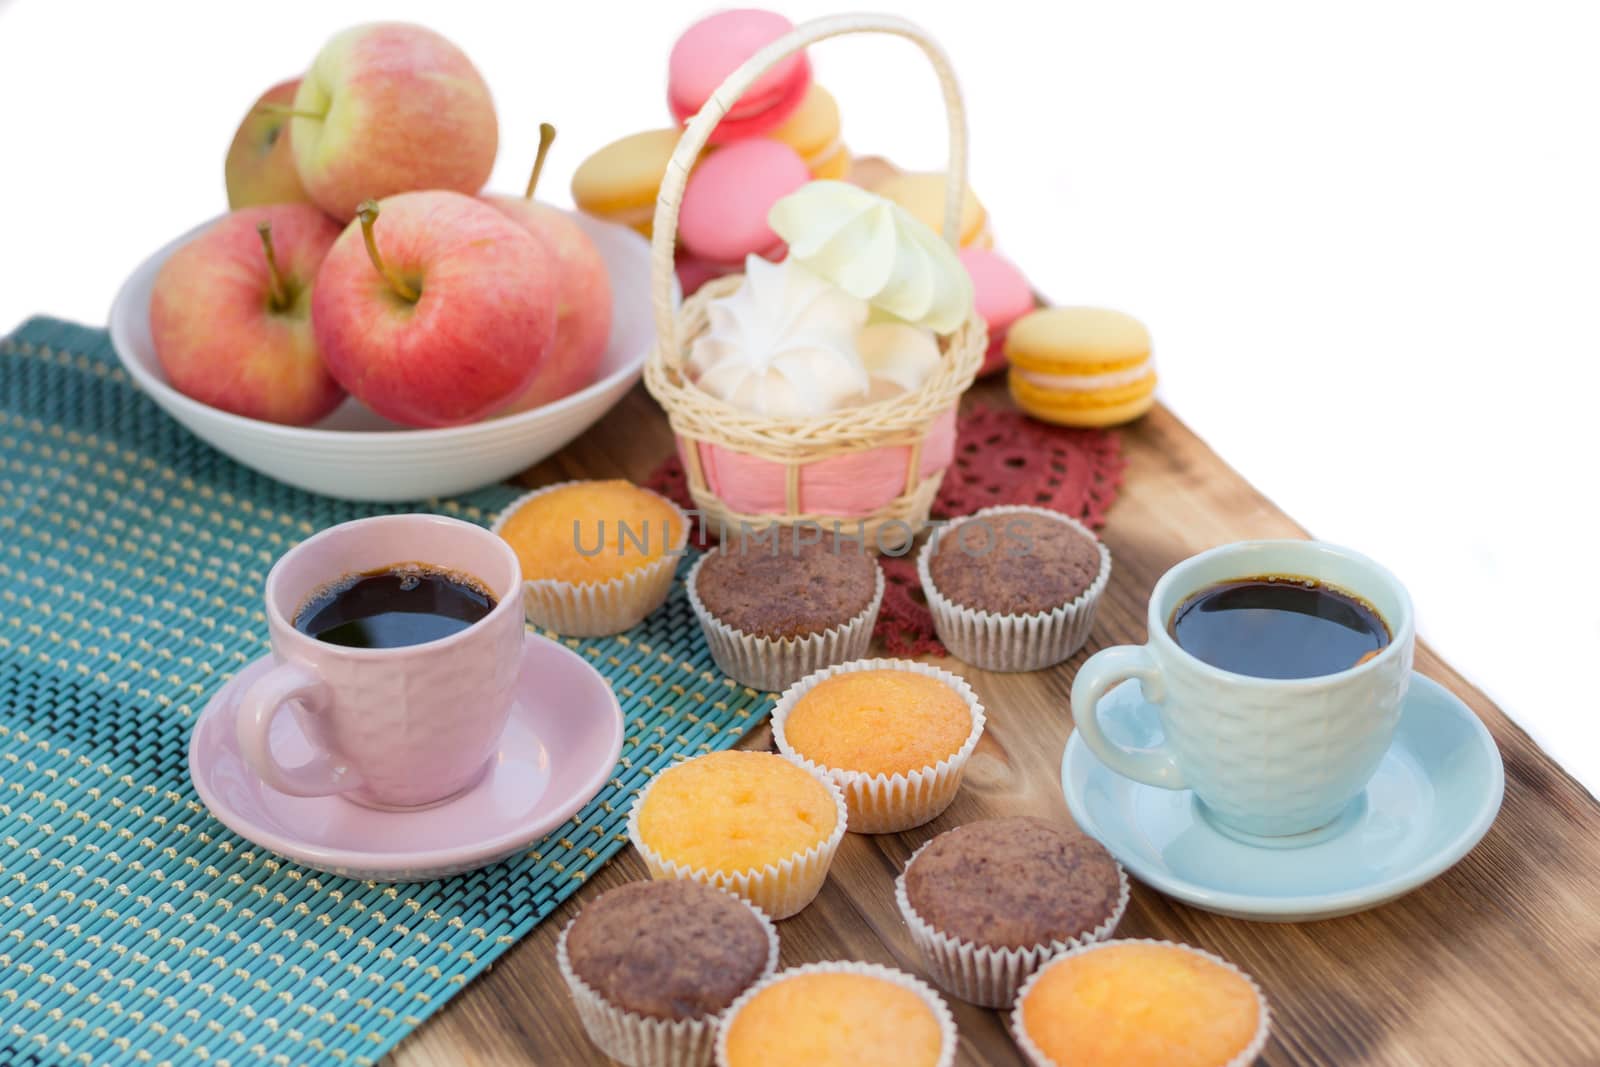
{"x": 355, "y": 453}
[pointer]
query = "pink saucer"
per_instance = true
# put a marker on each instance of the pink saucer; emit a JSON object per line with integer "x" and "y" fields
{"x": 559, "y": 749}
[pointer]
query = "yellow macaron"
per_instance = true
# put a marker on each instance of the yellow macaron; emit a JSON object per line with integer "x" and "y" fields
{"x": 923, "y": 196}
{"x": 813, "y": 132}
{"x": 1081, "y": 366}
{"x": 619, "y": 183}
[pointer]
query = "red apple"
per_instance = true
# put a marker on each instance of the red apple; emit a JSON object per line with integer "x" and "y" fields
{"x": 583, "y": 291}
{"x": 230, "y": 315}
{"x": 260, "y": 164}
{"x": 390, "y": 108}
{"x": 439, "y": 312}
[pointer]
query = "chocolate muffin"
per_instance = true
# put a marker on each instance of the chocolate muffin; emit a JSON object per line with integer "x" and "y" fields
{"x": 781, "y": 586}
{"x": 777, "y": 606}
{"x": 1014, "y": 588}
{"x": 1013, "y": 883}
{"x": 669, "y": 950}
{"x": 987, "y": 903}
{"x": 1014, "y": 564}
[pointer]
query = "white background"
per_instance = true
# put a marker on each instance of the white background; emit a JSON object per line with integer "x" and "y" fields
{"x": 1366, "y": 237}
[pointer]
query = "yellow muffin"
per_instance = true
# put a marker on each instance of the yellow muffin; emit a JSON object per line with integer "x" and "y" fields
{"x": 824, "y": 1018}
{"x": 878, "y": 722}
{"x": 590, "y": 532}
{"x": 1139, "y": 1004}
{"x": 1081, "y": 366}
{"x": 894, "y": 736}
{"x": 735, "y": 811}
{"x": 923, "y": 196}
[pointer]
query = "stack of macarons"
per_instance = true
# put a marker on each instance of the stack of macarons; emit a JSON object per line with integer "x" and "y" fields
{"x": 1081, "y": 366}
{"x": 782, "y": 133}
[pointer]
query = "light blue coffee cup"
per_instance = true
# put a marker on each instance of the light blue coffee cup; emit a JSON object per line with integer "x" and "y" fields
{"x": 1265, "y": 757}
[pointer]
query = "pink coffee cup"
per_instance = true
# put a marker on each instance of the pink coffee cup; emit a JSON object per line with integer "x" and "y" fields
{"x": 395, "y": 727}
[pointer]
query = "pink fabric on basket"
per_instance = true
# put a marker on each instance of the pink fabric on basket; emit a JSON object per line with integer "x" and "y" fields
{"x": 850, "y": 485}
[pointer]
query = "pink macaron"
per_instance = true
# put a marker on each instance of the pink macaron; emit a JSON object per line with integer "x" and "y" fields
{"x": 712, "y": 49}
{"x": 1002, "y": 296}
{"x": 730, "y": 192}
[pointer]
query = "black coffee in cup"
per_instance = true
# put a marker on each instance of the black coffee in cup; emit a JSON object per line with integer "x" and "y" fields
{"x": 402, "y": 604}
{"x": 1278, "y": 626}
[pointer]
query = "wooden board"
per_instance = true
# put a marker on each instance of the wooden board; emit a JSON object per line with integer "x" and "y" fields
{"x": 1496, "y": 962}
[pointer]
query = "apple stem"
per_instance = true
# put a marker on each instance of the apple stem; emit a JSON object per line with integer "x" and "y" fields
{"x": 280, "y": 292}
{"x": 547, "y": 134}
{"x": 289, "y": 112}
{"x": 369, "y": 215}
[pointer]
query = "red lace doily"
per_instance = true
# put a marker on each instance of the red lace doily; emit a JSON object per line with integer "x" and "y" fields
{"x": 1002, "y": 457}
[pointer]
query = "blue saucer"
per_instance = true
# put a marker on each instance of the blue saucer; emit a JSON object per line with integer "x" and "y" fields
{"x": 1433, "y": 797}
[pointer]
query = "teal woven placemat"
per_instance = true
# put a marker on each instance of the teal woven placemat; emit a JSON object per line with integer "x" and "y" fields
{"x": 133, "y": 926}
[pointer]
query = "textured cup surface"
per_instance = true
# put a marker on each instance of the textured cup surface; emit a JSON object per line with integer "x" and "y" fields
{"x": 1266, "y": 757}
{"x": 415, "y": 724}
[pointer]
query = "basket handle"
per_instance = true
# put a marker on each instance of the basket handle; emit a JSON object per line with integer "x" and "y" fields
{"x": 698, "y": 132}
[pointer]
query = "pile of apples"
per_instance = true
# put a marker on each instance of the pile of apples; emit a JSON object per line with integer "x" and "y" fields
{"x": 360, "y": 258}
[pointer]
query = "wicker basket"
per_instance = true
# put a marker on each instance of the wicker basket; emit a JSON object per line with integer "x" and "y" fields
{"x": 745, "y": 468}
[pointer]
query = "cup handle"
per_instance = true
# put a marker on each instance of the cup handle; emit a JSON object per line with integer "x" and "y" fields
{"x": 322, "y": 775}
{"x": 1104, "y": 671}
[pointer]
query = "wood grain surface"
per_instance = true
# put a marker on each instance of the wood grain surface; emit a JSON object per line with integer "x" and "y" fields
{"x": 1497, "y": 962}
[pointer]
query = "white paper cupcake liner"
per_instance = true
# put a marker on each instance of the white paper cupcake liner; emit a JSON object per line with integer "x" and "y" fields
{"x": 598, "y": 609}
{"x": 930, "y": 997}
{"x": 1013, "y": 642}
{"x": 643, "y": 1041}
{"x": 982, "y": 974}
{"x": 888, "y": 803}
{"x": 772, "y": 665}
{"x": 1035, "y": 1056}
{"x": 780, "y": 889}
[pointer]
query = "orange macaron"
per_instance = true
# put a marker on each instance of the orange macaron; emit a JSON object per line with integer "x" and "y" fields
{"x": 1081, "y": 366}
